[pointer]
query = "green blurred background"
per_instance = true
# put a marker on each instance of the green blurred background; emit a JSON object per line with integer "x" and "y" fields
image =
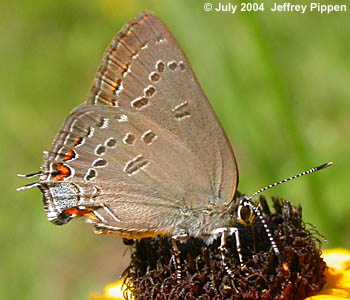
{"x": 279, "y": 83}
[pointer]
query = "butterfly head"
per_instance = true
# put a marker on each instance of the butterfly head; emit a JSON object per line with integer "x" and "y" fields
{"x": 246, "y": 212}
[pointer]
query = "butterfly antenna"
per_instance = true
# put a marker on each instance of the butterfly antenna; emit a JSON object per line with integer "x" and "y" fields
{"x": 257, "y": 212}
{"x": 312, "y": 170}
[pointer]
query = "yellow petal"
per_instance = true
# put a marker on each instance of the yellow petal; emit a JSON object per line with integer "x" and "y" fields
{"x": 338, "y": 275}
{"x": 113, "y": 291}
{"x": 337, "y": 258}
{"x": 326, "y": 297}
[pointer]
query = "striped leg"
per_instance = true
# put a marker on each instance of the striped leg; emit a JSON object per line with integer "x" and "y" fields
{"x": 176, "y": 254}
{"x": 225, "y": 232}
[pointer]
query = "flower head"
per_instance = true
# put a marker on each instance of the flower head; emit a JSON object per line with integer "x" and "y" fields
{"x": 299, "y": 274}
{"x": 296, "y": 274}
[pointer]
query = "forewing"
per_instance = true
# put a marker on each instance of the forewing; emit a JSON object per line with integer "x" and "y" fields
{"x": 145, "y": 70}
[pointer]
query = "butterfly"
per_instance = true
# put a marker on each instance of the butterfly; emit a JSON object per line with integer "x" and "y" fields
{"x": 145, "y": 155}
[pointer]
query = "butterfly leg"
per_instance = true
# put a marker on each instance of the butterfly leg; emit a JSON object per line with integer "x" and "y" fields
{"x": 224, "y": 232}
{"x": 176, "y": 253}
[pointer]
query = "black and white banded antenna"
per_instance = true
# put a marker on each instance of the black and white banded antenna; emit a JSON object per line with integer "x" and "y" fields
{"x": 247, "y": 202}
{"x": 312, "y": 170}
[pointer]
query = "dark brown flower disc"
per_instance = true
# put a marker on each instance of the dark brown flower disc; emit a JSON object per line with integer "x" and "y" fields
{"x": 298, "y": 273}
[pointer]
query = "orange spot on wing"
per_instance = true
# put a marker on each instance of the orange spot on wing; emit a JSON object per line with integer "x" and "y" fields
{"x": 81, "y": 212}
{"x": 63, "y": 172}
{"x": 69, "y": 155}
{"x": 77, "y": 141}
